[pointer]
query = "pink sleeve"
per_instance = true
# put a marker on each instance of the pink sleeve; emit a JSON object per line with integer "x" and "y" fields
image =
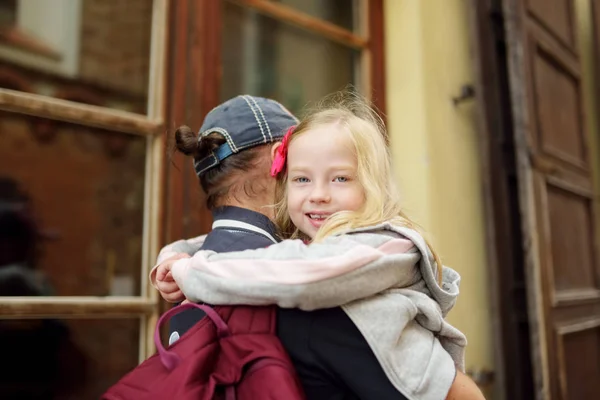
{"x": 170, "y": 250}
{"x": 289, "y": 262}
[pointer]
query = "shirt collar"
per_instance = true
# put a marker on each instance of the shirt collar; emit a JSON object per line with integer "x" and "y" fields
{"x": 245, "y": 215}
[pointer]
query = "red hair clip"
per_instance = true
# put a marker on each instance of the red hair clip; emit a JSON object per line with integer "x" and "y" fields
{"x": 281, "y": 153}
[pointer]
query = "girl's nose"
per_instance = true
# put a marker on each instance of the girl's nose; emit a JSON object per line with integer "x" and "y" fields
{"x": 320, "y": 194}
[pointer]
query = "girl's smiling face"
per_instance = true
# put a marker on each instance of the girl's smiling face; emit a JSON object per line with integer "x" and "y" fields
{"x": 322, "y": 177}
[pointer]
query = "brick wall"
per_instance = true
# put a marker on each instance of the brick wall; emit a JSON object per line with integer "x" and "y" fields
{"x": 115, "y": 44}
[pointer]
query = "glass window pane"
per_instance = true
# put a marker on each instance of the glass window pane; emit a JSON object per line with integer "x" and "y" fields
{"x": 264, "y": 57}
{"x": 65, "y": 359}
{"x": 71, "y": 209}
{"x": 339, "y": 12}
{"x": 89, "y": 51}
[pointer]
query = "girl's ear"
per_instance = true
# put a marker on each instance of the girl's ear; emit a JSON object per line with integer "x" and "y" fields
{"x": 274, "y": 150}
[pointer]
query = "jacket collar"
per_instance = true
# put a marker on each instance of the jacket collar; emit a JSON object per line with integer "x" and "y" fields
{"x": 247, "y": 216}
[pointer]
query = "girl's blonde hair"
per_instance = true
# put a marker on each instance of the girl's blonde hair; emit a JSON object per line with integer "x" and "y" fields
{"x": 350, "y": 112}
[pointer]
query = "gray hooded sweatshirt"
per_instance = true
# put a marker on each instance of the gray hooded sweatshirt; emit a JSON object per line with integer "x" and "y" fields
{"x": 384, "y": 278}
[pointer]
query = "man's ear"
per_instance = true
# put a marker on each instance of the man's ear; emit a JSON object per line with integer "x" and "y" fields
{"x": 274, "y": 150}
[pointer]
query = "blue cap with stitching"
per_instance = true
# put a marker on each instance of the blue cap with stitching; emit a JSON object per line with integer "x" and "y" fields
{"x": 244, "y": 121}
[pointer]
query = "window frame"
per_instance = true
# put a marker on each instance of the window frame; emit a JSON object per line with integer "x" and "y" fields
{"x": 152, "y": 125}
{"x": 184, "y": 85}
{"x": 368, "y": 38}
{"x": 194, "y": 86}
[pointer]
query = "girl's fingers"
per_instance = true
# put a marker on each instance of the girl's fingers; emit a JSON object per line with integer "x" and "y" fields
{"x": 163, "y": 272}
{"x": 167, "y": 287}
{"x": 174, "y": 297}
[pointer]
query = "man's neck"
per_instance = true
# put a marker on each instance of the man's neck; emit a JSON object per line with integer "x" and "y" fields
{"x": 257, "y": 204}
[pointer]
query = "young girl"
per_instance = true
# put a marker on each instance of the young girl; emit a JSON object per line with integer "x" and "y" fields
{"x": 349, "y": 245}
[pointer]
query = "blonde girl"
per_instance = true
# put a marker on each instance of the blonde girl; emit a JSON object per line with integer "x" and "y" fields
{"x": 349, "y": 244}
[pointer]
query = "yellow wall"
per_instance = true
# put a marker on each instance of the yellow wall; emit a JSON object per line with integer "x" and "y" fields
{"x": 585, "y": 34}
{"x": 435, "y": 149}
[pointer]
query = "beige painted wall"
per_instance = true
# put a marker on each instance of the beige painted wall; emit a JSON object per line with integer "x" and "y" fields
{"x": 435, "y": 149}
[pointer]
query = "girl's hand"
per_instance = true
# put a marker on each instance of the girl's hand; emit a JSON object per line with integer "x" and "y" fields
{"x": 165, "y": 283}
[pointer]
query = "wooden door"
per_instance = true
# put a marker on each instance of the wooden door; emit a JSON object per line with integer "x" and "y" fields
{"x": 556, "y": 196}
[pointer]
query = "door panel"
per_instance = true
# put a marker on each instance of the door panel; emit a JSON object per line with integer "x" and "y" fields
{"x": 556, "y": 197}
{"x": 555, "y": 99}
{"x": 556, "y": 16}
{"x": 557, "y": 108}
{"x": 571, "y": 250}
{"x": 579, "y": 372}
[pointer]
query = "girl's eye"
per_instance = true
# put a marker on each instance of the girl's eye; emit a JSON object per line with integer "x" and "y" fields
{"x": 301, "y": 179}
{"x": 341, "y": 179}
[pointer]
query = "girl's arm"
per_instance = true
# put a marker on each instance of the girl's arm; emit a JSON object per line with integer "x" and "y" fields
{"x": 175, "y": 250}
{"x": 294, "y": 275}
{"x": 463, "y": 388}
{"x": 295, "y": 262}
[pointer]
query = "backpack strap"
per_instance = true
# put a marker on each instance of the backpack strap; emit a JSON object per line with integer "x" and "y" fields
{"x": 169, "y": 358}
{"x": 227, "y": 320}
{"x": 249, "y": 319}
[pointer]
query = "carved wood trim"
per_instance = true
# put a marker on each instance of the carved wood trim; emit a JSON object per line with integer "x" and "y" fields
{"x": 565, "y": 329}
{"x": 575, "y": 297}
{"x": 571, "y": 44}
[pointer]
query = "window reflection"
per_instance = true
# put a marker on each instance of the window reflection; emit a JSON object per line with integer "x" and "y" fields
{"x": 100, "y": 47}
{"x": 52, "y": 359}
{"x": 71, "y": 208}
{"x": 338, "y": 12}
{"x": 8, "y": 13}
{"x": 264, "y": 57}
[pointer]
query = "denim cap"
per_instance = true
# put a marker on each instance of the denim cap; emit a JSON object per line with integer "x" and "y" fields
{"x": 245, "y": 121}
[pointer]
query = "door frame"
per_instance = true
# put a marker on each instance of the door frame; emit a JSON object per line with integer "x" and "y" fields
{"x": 510, "y": 219}
{"x": 507, "y": 289}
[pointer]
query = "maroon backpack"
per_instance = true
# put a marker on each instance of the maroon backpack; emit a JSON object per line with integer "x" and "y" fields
{"x": 233, "y": 354}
